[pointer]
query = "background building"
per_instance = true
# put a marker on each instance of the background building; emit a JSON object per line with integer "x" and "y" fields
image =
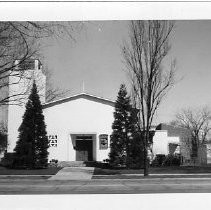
{"x": 174, "y": 140}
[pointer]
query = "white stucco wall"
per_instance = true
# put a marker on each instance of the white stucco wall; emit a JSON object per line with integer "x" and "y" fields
{"x": 78, "y": 116}
{"x": 161, "y": 141}
{"x": 209, "y": 153}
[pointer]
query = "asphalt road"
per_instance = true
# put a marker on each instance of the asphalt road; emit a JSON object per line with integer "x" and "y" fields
{"x": 138, "y": 186}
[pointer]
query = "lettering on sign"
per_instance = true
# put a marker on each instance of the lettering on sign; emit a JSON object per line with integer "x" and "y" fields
{"x": 103, "y": 141}
{"x": 52, "y": 139}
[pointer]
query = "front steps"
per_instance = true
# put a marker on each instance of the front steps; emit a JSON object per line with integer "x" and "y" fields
{"x": 74, "y": 163}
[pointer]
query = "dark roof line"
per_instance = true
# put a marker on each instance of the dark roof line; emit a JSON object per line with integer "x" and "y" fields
{"x": 81, "y": 95}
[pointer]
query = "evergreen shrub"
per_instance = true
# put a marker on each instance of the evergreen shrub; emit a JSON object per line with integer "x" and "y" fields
{"x": 8, "y": 160}
{"x": 32, "y": 145}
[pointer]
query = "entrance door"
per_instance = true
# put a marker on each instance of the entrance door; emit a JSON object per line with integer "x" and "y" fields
{"x": 84, "y": 150}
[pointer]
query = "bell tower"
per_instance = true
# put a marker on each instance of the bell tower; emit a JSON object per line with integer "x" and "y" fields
{"x": 20, "y": 84}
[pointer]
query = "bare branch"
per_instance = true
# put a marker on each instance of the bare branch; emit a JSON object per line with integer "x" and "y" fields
{"x": 53, "y": 93}
{"x": 143, "y": 57}
{"x": 21, "y": 41}
{"x": 198, "y": 122}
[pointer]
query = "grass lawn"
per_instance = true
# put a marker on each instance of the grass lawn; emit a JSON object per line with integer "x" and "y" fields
{"x": 154, "y": 170}
{"x": 47, "y": 171}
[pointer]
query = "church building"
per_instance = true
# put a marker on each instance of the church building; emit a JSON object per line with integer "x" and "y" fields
{"x": 79, "y": 126}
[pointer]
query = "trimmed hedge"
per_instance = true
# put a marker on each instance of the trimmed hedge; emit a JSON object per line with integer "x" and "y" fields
{"x": 158, "y": 161}
{"x": 172, "y": 160}
{"x": 166, "y": 160}
{"x": 8, "y": 160}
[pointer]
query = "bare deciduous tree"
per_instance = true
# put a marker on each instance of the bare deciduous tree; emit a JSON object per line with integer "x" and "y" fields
{"x": 143, "y": 56}
{"x": 52, "y": 92}
{"x": 21, "y": 41}
{"x": 3, "y": 137}
{"x": 198, "y": 122}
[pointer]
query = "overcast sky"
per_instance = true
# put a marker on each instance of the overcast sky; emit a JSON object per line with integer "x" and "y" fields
{"x": 95, "y": 58}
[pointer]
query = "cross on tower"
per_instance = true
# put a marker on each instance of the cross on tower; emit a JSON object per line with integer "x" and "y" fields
{"x": 83, "y": 87}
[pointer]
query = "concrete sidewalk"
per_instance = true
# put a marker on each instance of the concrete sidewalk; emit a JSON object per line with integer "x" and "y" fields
{"x": 74, "y": 173}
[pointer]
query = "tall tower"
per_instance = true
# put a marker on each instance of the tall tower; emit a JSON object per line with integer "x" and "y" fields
{"x": 20, "y": 84}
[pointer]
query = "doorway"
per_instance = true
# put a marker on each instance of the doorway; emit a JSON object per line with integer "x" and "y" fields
{"x": 84, "y": 148}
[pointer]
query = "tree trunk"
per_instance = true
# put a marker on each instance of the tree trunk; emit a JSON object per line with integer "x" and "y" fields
{"x": 146, "y": 167}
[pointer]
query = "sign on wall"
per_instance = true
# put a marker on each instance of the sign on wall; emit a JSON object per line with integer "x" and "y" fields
{"x": 52, "y": 139}
{"x": 103, "y": 138}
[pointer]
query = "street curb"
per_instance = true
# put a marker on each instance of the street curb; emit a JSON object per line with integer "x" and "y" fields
{"x": 107, "y": 175}
{"x": 24, "y": 175}
{"x": 156, "y": 178}
{"x": 207, "y": 174}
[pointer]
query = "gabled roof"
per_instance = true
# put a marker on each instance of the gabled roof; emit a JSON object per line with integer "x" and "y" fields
{"x": 81, "y": 95}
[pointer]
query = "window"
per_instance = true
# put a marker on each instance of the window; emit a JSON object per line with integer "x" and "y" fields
{"x": 27, "y": 64}
{"x": 52, "y": 139}
{"x": 103, "y": 138}
{"x": 174, "y": 148}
